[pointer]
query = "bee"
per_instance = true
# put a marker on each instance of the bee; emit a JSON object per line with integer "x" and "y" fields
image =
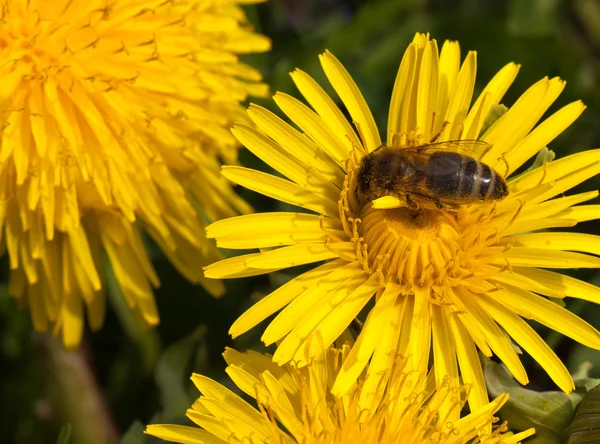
{"x": 437, "y": 175}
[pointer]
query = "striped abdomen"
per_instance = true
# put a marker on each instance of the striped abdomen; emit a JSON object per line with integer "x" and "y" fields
{"x": 460, "y": 179}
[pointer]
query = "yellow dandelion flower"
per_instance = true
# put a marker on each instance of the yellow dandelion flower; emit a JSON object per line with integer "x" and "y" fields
{"x": 295, "y": 406}
{"x": 114, "y": 113}
{"x": 451, "y": 281}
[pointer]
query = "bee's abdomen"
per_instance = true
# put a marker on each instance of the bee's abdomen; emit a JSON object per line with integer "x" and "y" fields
{"x": 462, "y": 179}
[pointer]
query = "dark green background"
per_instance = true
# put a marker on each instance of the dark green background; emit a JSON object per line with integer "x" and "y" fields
{"x": 144, "y": 375}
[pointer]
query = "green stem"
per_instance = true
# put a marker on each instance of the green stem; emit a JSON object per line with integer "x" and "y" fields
{"x": 75, "y": 395}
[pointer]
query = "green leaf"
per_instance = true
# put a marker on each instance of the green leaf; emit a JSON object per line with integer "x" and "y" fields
{"x": 172, "y": 371}
{"x": 583, "y": 383}
{"x": 134, "y": 434}
{"x": 585, "y": 428}
{"x": 548, "y": 412}
{"x": 582, "y": 379}
{"x": 65, "y": 434}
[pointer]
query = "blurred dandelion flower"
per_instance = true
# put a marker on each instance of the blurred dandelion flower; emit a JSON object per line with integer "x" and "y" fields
{"x": 295, "y": 406}
{"x": 448, "y": 281}
{"x": 113, "y": 113}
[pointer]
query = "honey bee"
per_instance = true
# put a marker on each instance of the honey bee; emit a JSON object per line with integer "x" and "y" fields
{"x": 437, "y": 175}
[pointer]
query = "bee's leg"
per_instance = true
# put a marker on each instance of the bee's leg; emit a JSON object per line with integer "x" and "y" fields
{"x": 435, "y": 138}
{"x": 410, "y": 203}
{"x": 438, "y": 203}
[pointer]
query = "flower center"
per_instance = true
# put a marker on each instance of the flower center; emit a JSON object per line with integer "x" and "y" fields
{"x": 23, "y": 48}
{"x": 413, "y": 225}
{"x": 414, "y": 247}
{"x": 406, "y": 409}
{"x": 83, "y": 42}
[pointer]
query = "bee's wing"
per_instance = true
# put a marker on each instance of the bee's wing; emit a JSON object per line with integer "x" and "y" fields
{"x": 472, "y": 148}
{"x": 445, "y": 159}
